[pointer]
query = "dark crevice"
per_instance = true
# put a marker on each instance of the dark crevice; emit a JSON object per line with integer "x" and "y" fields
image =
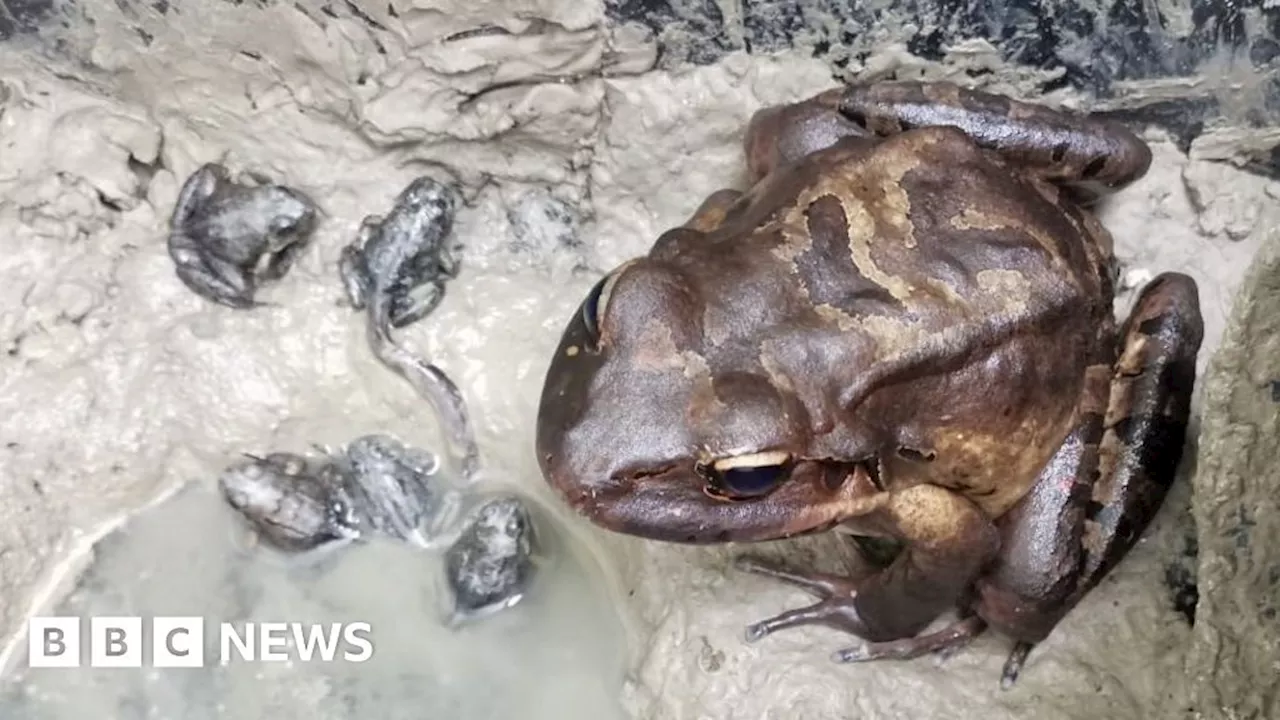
{"x": 1180, "y": 579}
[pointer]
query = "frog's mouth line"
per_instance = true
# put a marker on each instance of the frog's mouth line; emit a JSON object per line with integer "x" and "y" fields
{"x": 670, "y": 504}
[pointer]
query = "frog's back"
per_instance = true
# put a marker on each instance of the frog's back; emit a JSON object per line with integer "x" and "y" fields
{"x": 898, "y": 239}
{"x": 915, "y": 286}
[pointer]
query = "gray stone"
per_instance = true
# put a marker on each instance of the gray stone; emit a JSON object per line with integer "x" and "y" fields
{"x": 1236, "y": 645}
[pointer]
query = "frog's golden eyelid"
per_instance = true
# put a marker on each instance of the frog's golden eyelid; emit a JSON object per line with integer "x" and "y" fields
{"x": 602, "y": 302}
{"x": 768, "y": 458}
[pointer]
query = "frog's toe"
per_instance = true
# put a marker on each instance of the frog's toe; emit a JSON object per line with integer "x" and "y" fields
{"x": 819, "y": 584}
{"x": 1013, "y": 665}
{"x": 837, "y": 613}
{"x": 944, "y": 640}
{"x": 812, "y": 615}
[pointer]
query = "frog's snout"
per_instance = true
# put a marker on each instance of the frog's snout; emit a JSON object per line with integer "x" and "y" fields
{"x": 427, "y": 193}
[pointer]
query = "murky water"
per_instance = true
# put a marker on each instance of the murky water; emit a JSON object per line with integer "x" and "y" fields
{"x": 557, "y": 654}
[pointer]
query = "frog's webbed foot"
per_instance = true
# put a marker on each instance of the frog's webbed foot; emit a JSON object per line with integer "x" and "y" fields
{"x": 835, "y": 608}
{"x": 1092, "y": 154}
{"x": 351, "y": 272}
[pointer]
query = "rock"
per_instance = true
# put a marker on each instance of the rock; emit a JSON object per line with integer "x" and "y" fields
{"x": 1233, "y": 657}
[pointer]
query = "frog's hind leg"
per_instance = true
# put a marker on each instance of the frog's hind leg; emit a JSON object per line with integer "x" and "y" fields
{"x": 417, "y": 303}
{"x": 776, "y": 136}
{"x": 209, "y": 276}
{"x": 781, "y": 134}
{"x": 948, "y": 638}
{"x": 712, "y": 211}
{"x": 1104, "y": 486}
{"x": 1091, "y": 153}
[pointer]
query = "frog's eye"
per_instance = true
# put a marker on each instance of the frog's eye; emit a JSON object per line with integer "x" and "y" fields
{"x": 747, "y": 476}
{"x": 597, "y": 302}
{"x": 282, "y": 225}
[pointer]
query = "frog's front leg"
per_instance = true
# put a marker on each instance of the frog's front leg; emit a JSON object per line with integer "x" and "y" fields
{"x": 1075, "y": 149}
{"x": 280, "y": 262}
{"x": 352, "y": 268}
{"x": 449, "y": 262}
{"x": 947, "y": 541}
{"x": 1071, "y": 530}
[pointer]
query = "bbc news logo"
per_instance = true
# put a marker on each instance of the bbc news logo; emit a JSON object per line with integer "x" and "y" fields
{"x": 179, "y": 642}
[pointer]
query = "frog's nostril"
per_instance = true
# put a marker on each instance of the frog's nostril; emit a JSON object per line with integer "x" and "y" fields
{"x": 834, "y": 475}
{"x": 920, "y": 456}
{"x": 1096, "y": 166}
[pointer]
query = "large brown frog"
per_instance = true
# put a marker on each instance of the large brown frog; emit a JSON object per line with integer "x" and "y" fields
{"x": 905, "y": 328}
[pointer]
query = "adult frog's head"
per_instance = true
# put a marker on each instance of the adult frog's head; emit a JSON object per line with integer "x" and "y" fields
{"x": 653, "y": 424}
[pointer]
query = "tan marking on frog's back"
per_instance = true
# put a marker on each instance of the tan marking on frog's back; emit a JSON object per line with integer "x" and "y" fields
{"x": 893, "y": 337}
{"x": 973, "y": 219}
{"x": 867, "y": 217}
{"x": 862, "y": 230}
{"x": 655, "y": 349}
{"x": 842, "y": 320}
{"x": 704, "y": 404}
{"x": 776, "y": 371}
{"x": 867, "y": 189}
{"x": 1009, "y": 288}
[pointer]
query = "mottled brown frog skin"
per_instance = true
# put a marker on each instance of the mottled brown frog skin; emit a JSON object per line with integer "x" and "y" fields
{"x": 903, "y": 327}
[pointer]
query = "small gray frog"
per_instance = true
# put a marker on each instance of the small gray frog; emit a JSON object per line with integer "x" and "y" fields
{"x": 295, "y": 504}
{"x": 376, "y": 485}
{"x": 395, "y": 489}
{"x": 399, "y": 264}
{"x": 222, "y": 230}
{"x": 396, "y": 272}
{"x": 490, "y": 566}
